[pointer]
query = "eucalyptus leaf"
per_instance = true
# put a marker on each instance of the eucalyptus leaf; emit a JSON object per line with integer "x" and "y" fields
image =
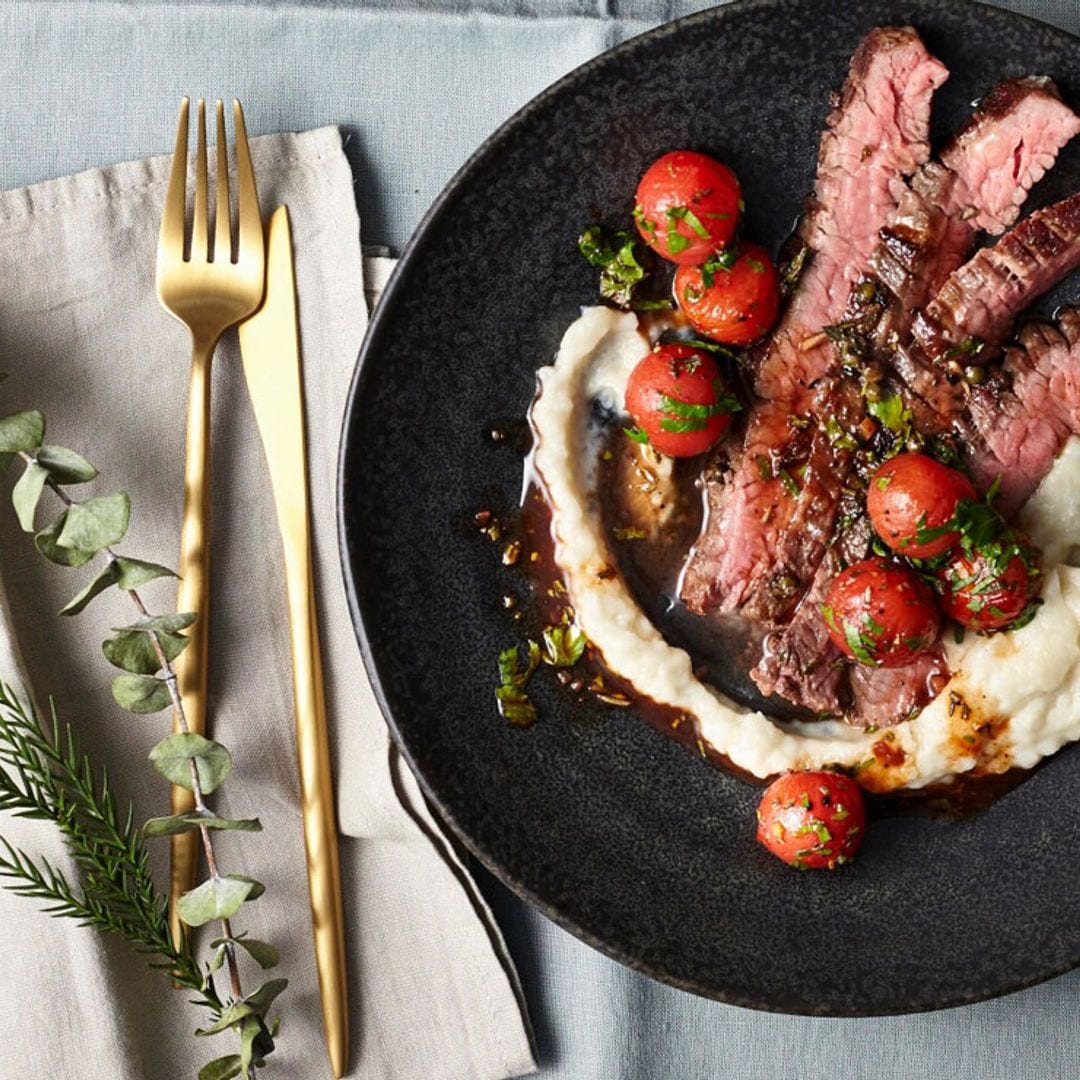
{"x": 257, "y": 887}
{"x": 261, "y": 1000}
{"x": 106, "y": 579}
{"x": 21, "y": 432}
{"x": 181, "y": 620}
{"x": 131, "y": 573}
{"x": 197, "y": 819}
{"x": 215, "y": 898}
{"x": 96, "y": 523}
{"x": 65, "y": 466}
{"x": 141, "y": 693}
{"x": 134, "y": 651}
{"x": 230, "y": 1015}
{"x": 171, "y": 756}
{"x": 250, "y": 1030}
{"x": 62, "y": 556}
{"x": 27, "y": 492}
{"x": 262, "y": 952}
{"x": 217, "y": 960}
{"x": 222, "y": 1068}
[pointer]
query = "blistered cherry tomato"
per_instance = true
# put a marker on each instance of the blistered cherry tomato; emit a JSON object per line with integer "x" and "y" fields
{"x": 812, "y": 820}
{"x": 735, "y": 306}
{"x": 678, "y": 400}
{"x": 881, "y": 614}
{"x": 991, "y": 588}
{"x": 911, "y": 499}
{"x": 687, "y": 206}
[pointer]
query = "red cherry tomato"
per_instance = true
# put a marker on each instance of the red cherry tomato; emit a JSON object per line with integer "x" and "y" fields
{"x": 736, "y": 306}
{"x": 812, "y": 820}
{"x": 880, "y": 613}
{"x": 687, "y": 206}
{"x": 678, "y": 399}
{"x": 990, "y": 589}
{"x": 911, "y": 498}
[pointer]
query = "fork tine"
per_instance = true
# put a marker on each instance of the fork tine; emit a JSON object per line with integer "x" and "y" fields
{"x": 248, "y": 214}
{"x": 222, "y": 222}
{"x": 200, "y": 219}
{"x": 171, "y": 239}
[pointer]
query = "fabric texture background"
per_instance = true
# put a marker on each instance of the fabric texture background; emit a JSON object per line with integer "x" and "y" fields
{"x": 82, "y": 337}
{"x": 89, "y": 82}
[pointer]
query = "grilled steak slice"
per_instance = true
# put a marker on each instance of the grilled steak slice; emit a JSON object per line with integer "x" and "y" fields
{"x": 988, "y": 167}
{"x": 876, "y": 134}
{"x": 748, "y": 554}
{"x": 883, "y": 697}
{"x": 981, "y": 180}
{"x": 800, "y": 662}
{"x": 974, "y": 310}
{"x": 1024, "y": 413}
{"x": 1007, "y": 146}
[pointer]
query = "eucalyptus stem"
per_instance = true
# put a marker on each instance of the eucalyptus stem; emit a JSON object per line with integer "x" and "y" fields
{"x": 178, "y": 705}
{"x": 54, "y": 880}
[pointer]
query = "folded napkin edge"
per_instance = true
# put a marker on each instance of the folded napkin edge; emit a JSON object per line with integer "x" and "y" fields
{"x": 104, "y": 182}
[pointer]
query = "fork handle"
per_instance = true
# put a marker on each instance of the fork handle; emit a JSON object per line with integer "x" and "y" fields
{"x": 193, "y": 594}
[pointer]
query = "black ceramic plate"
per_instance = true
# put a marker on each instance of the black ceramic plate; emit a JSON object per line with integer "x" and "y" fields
{"x": 618, "y": 833}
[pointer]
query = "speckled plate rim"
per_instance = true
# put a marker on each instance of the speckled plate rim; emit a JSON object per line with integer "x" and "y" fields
{"x": 381, "y": 319}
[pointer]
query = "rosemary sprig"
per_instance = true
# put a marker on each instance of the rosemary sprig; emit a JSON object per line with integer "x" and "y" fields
{"x": 47, "y": 776}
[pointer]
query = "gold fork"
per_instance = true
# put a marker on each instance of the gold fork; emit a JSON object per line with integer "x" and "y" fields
{"x": 208, "y": 290}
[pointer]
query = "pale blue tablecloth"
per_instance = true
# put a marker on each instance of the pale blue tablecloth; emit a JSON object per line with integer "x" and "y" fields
{"x": 418, "y": 85}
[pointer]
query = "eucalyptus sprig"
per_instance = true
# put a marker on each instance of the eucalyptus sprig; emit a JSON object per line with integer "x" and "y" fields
{"x": 51, "y": 779}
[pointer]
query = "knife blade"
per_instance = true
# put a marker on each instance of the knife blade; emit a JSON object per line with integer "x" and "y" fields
{"x": 270, "y": 348}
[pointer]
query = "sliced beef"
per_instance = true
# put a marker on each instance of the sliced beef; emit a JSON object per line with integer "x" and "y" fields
{"x": 800, "y": 661}
{"x": 983, "y": 176}
{"x": 875, "y": 136}
{"x": 1024, "y": 413}
{"x": 883, "y": 697}
{"x": 980, "y": 181}
{"x": 750, "y": 555}
{"x": 974, "y": 310}
{"x": 1007, "y": 146}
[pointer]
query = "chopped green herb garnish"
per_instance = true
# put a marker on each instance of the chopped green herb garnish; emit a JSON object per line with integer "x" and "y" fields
{"x": 638, "y": 435}
{"x": 792, "y": 270}
{"x": 861, "y": 646}
{"x": 514, "y": 703}
{"x": 969, "y": 347}
{"x": 838, "y": 437}
{"x": 788, "y": 481}
{"x": 681, "y": 425}
{"x": 684, "y": 213}
{"x": 1026, "y": 615}
{"x": 644, "y": 222}
{"x": 890, "y": 411}
{"x": 629, "y": 534}
{"x": 851, "y": 345}
{"x": 719, "y": 260}
{"x": 563, "y": 645}
{"x": 620, "y": 269}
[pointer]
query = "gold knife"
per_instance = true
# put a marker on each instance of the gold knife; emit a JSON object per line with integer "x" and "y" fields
{"x": 270, "y": 347}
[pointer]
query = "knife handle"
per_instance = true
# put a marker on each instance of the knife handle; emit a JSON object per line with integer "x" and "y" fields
{"x": 193, "y": 594}
{"x": 317, "y": 791}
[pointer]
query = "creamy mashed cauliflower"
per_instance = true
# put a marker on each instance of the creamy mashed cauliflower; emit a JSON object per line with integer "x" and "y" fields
{"x": 1013, "y": 698}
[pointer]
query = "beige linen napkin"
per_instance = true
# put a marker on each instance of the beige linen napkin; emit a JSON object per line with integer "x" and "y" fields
{"x": 82, "y": 338}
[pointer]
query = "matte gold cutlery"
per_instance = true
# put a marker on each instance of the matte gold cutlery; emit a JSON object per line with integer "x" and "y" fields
{"x": 270, "y": 346}
{"x": 208, "y": 289}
